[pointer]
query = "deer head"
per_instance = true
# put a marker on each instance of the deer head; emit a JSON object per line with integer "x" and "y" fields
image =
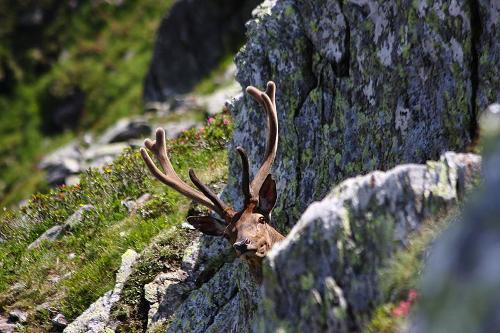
{"x": 248, "y": 230}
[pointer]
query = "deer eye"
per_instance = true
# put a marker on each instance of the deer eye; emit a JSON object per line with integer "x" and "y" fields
{"x": 262, "y": 219}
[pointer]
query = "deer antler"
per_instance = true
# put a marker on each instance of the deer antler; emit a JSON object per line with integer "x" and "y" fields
{"x": 170, "y": 177}
{"x": 266, "y": 99}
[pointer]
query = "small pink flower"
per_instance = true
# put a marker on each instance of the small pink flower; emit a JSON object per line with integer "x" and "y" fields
{"x": 226, "y": 121}
{"x": 202, "y": 129}
{"x": 211, "y": 120}
{"x": 412, "y": 295}
{"x": 402, "y": 309}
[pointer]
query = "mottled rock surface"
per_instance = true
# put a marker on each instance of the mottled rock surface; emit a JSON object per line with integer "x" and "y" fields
{"x": 362, "y": 85}
{"x": 323, "y": 277}
{"x": 96, "y": 318}
{"x": 461, "y": 284}
{"x": 192, "y": 40}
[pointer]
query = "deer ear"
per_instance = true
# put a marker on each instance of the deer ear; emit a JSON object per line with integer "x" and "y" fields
{"x": 267, "y": 195}
{"x": 207, "y": 224}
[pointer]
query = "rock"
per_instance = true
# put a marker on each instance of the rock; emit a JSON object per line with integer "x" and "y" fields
{"x": 192, "y": 40}
{"x": 98, "y": 155}
{"x": 62, "y": 163}
{"x": 462, "y": 276}
{"x": 59, "y": 321}
{"x": 18, "y": 316}
{"x": 133, "y": 205}
{"x": 124, "y": 130}
{"x": 218, "y": 305}
{"x": 96, "y": 318}
{"x": 50, "y": 235}
{"x": 5, "y": 326}
{"x": 77, "y": 217}
{"x": 364, "y": 84}
{"x": 330, "y": 259}
{"x": 56, "y": 231}
{"x": 169, "y": 294}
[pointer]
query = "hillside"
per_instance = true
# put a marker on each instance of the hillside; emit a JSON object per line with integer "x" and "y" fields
{"x": 68, "y": 67}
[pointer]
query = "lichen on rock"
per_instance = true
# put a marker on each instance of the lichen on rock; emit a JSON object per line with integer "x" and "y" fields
{"x": 362, "y": 85}
{"x": 330, "y": 259}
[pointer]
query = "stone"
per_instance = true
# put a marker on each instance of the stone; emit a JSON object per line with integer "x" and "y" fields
{"x": 5, "y": 326}
{"x": 134, "y": 205}
{"x": 331, "y": 257}
{"x": 50, "y": 235}
{"x": 62, "y": 163}
{"x": 98, "y": 155}
{"x": 124, "y": 130}
{"x": 191, "y": 51}
{"x": 77, "y": 217}
{"x": 96, "y": 318}
{"x": 59, "y": 321}
{"x": 18, "y": 316}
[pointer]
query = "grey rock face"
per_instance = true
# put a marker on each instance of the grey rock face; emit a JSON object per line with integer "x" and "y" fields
{"x": 209, "y": 293}
{"x": 462, "y": 277}
{"x": 323, "y": 276}
{"x": 193, "y": 38}
{"x": 96, "y": 318}
{"x": 362, "y": 85}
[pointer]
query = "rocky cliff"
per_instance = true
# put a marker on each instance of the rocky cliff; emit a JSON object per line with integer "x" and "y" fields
{"x": 363, "y": 85}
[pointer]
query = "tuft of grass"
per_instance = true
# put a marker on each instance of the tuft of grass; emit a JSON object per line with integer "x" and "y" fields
{"x": 67, "y": 275}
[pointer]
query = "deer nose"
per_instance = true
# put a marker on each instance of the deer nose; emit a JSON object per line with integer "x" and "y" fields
{"x": 240, "y": 247}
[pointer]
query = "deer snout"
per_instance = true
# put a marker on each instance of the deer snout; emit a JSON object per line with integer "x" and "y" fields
{"x": 241, "y": 246}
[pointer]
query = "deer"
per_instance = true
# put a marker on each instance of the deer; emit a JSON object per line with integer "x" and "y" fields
{"x": 249, "y": 230}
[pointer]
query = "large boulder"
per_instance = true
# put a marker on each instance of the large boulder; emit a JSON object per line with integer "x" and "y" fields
{"x": 330, "y": 259}
{"x": 192, "y": 40}
{"x": 362, "y": 85}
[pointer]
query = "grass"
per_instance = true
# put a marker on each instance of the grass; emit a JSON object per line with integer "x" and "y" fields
{"x": 67, "y": 275}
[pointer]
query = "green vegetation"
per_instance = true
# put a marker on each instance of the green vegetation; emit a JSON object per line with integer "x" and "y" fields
{"x": 68, "y": 274}
{"x": 399, "y": 279}
{"x": 96, "y": 49}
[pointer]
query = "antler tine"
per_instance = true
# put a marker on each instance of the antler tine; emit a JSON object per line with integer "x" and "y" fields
{"x": 170, "y": 177}
{"x": 208, "y": 192}
{"x": 267, "y": 100}
{"x": 245, "y": 181}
